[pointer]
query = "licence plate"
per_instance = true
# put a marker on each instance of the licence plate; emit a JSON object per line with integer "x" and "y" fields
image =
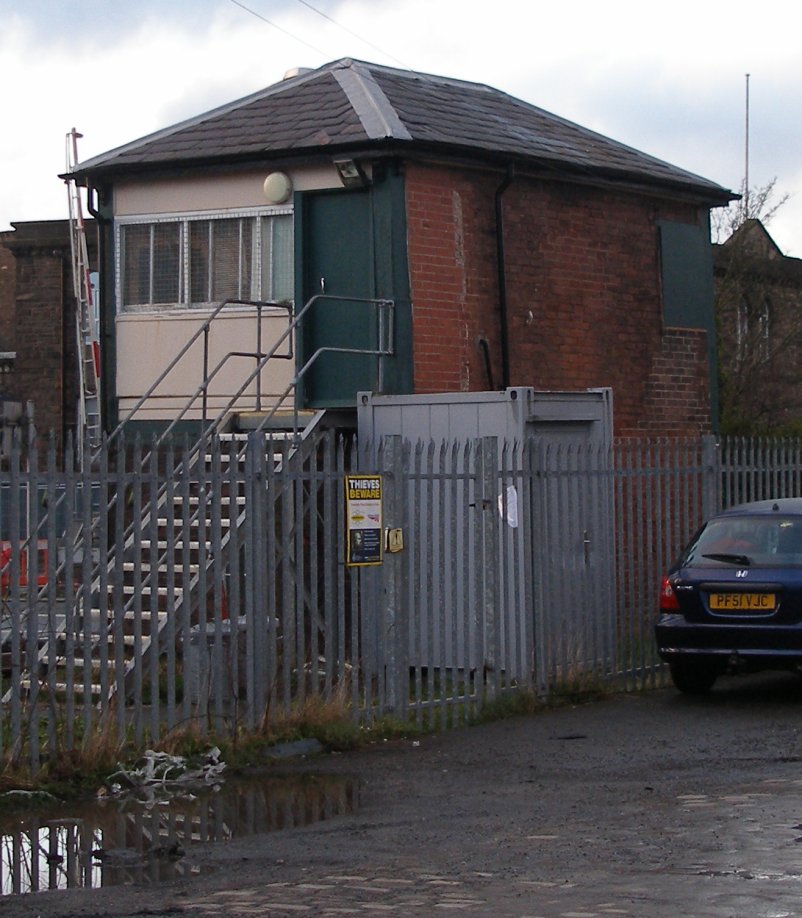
{"x": 743, "y": 602}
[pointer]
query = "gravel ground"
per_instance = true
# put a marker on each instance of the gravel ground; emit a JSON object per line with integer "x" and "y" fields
{"x": 636, "y": 805}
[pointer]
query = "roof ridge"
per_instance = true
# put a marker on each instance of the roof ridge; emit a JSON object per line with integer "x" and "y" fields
{"x": 374, "y": 110}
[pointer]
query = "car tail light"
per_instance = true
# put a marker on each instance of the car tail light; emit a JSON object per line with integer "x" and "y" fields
{"x": 668, "y": 598}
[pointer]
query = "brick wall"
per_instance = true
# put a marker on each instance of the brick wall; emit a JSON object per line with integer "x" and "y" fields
{"x": 39, "y": 372}
{"x": 676, "y": 397}
{"x": 7, "y": 291}
{"x": 43, "y": 315}
{"x": 583, "y": 290}
{"x": 453, "y": 277}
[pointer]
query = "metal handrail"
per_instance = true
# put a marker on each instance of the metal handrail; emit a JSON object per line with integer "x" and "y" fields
{"x": 272, "y": 354}
{"x": 209, "y": 428}
{"x": 202, "y": 331}
{"x": 385, "y": 348}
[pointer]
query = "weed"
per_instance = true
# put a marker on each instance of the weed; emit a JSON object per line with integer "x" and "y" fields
{"x": 13, "y": 778}
{"x": 81, "y": 762}
{"x": 330, "y": 722}
{"x": 579, "y": 688}
{"x": 516, "y": 703}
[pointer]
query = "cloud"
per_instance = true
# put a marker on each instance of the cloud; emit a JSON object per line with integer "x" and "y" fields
{"x": 150, "y": 78}
{"x": 91, "y": 23}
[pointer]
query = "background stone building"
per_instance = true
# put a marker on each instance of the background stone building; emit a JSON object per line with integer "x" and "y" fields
{"x": 759, "y": 315}
{"x": 38, "y": 338}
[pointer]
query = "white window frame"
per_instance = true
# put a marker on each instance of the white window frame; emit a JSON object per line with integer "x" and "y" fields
{"x": 257, "y": 214}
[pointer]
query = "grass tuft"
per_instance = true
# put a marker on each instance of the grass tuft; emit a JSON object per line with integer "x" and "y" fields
{"x": 517, "y": 703}
{"x": 579, "y": 689}
{"x": 98, "y": 753}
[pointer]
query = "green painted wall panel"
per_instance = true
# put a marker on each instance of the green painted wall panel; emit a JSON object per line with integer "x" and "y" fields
{"x": 686, "y": 258}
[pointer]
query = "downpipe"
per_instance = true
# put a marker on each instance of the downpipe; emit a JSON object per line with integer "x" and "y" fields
{"x": 502, "y": 278}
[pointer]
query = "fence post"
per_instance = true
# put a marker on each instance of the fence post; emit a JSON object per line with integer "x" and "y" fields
{"x": 711, "y": 477}
{"x": 395, "y": 619}
{"x": 488, "y": 460}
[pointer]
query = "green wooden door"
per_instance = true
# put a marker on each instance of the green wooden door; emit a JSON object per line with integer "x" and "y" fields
{"x": 338, "y": 261}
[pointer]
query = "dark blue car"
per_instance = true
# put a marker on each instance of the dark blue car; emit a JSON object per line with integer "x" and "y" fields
{"x": 733, "y": 600}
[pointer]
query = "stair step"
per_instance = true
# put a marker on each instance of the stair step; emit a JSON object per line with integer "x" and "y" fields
{"x": 162, "y": 543}
{"x": 194, "y": 500}
{"x": 93, "y": 663}
{"x": 77, "y": 687}
{"x": 239, "y": 454}
{"x": 130, "y": 589}
{"x": 146, "y": 615}
{"x": 101, "y": 622}
{"x": 178, "y": 523}
{"x": 79, "y": 664}
{"x": 128, "y": 615}
{"x": 145, "y": 568}
{"x": 133, "y": 589}
{"x": 95, "y": 641}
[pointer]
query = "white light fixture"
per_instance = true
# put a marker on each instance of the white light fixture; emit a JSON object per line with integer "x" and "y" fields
{"x": 277, "y": 188}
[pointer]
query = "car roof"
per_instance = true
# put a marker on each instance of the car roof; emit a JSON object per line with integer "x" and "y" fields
{"x": 785, "y": 505}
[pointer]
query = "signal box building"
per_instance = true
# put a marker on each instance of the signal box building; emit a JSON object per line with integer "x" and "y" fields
{"x": 450, "y": 238}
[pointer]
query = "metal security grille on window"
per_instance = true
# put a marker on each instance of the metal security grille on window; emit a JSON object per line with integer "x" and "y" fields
{"x": 199, "y": 262}
{"x": 151, "y": 264}
{"x": 221, "y": 259}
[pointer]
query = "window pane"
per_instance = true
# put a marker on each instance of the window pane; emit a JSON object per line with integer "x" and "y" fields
{"x": 246, "y": 259}
{"x": 278, "y": 263}
{"x": 199, "y": 281}
{"x": 136, "y": 265}
{"x": 231, "y": 259}
{"x": 166, "y": 263}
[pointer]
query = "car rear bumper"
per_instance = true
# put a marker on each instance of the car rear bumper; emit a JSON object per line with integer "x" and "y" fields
{"x": 676, "y": 636}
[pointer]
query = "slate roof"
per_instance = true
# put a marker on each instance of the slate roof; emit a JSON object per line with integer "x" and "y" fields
{"x": 349, "y": 104}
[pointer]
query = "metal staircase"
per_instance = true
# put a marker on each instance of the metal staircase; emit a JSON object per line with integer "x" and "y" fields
{"x": 166, "y": 570}
{"x": 147, "y": 591}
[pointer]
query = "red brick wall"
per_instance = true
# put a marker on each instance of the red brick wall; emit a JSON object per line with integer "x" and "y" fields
{"x": 42, "y": 312}
{"x": 7, "y": 289}
{"x": 39, "y": 372}
{"x": 453, "y": 277}
{"x": 677, "y": 394}
{"x": 583, "y": 292}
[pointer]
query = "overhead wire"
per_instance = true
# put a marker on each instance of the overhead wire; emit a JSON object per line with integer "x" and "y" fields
{"x": 280, "y": 28}
{"x": 339, "y": 25}
{"x": 354, "y": 34}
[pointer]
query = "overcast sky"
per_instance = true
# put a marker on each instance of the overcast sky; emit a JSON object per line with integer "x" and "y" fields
{"x": 667, "y": 79}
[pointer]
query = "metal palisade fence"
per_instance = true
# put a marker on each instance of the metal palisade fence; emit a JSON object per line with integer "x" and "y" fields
{"x": 146, "y": 590}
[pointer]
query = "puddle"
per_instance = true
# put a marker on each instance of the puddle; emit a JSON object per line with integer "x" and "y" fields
{"x": 124, "y": 841}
